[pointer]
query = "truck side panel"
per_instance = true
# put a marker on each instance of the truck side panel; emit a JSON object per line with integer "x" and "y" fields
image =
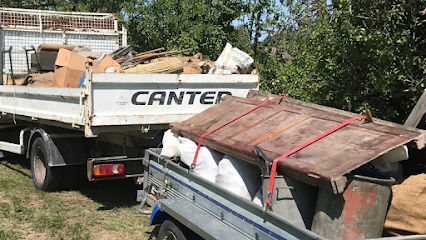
{"x": 125, "y": 99}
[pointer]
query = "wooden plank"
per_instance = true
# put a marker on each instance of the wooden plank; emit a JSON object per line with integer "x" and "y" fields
{"x": 337, "y": 118}
{"x": 207, "y": 113}
{"x": 330, "y": 168}
{"x": 418, "y": 112}
{"x": 419, "y": 142}
{"x": 251, "y": 120}
{"x": 222, "y": 116}
{"x": 280, "y": 128}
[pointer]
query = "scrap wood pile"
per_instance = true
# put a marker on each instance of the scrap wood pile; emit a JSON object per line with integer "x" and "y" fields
{"x": 65, "y": 66}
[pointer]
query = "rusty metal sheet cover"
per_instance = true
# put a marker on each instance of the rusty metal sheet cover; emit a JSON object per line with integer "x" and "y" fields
{"x": 279, "y": 128}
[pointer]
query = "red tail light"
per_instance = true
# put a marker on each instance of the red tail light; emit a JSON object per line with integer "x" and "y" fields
{"x": 103, "y": 170}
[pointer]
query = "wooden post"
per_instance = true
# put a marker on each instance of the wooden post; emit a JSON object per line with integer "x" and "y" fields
{"x": 418, "y": 111}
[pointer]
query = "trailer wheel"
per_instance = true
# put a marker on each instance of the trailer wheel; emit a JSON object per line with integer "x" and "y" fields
{"x": 44, "y": 177}
{"x": 171, "y": 230}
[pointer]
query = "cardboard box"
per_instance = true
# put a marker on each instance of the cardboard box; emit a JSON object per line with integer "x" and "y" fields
{"x": 70, "y": 66}
{"x": 67, "y": 77}
{"x": 108, "y": 62}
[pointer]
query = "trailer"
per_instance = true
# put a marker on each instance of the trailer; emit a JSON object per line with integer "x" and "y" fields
{"x": 68, "y": 133}
{"x": 317, "y": 194}
{"x": 188, "y": 207}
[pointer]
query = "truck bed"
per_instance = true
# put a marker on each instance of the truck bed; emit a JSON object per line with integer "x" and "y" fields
{"x": 110, "y": 102}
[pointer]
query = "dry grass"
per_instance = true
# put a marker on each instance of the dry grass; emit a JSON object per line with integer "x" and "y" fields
{"x": 98, "y": 210}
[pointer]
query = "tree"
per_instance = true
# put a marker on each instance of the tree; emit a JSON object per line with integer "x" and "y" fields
{"x": 28, "y": 4}
{"x": 99, "y": 6}
{"x": 354, "y": 53}
{"x": 203, "y": 26}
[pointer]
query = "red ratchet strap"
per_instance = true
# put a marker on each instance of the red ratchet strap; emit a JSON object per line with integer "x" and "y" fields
{"x": 207, "y": 133}
{"x": 274, "y": 164}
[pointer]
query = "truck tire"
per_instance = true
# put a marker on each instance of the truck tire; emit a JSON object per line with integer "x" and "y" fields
{"x": 44, "y": 177}
{"x": 172, "y": 230}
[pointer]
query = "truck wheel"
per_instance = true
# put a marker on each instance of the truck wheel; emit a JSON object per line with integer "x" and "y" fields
{"x": 170, "y": 231}
{"x": 45, "y": 178}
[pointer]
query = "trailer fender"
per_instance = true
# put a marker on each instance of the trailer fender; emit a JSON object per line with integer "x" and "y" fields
{"x": 63, "y": 151}
{"x": 158, "y": 216}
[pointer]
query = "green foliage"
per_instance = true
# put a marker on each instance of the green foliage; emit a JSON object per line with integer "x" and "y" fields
{"x": 352, "y": 53}
{"x": 108, "y": 6}
{"x": 28, "y": 4}
{"x": 203, "y": 26}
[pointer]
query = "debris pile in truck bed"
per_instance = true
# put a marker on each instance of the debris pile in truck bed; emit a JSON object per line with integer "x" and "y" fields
{"x": 69, "y": 63}
{"x": 231, "y": 61}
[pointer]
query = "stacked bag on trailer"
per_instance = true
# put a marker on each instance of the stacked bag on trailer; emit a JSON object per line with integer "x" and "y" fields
{"x": 232, "y": 174}
{"x": 238, "y": 177}
{"x": 207, "y": 160}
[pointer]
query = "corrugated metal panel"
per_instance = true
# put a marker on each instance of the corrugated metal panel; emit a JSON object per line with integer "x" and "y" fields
{"x": 277, "y": 129}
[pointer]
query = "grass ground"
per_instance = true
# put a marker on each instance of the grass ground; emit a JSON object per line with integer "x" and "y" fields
{"x": 98, "y": 210}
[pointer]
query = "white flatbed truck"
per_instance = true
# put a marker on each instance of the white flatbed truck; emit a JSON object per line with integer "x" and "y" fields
{"x": 67, "y": 132}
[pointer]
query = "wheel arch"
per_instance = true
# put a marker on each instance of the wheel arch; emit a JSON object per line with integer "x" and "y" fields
{"x": 36, "y": 132}
{"x": 63, "y": 150}
{"x": 54, "y": 157}
{"x": 158, "y": 216}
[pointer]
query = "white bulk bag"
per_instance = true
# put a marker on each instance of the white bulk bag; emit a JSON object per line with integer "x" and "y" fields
{"x": 207, "y": 160}
{"x": 232, "y": 61}
{"x": 239, "y": 177}
{"x": 170, "y": 145}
